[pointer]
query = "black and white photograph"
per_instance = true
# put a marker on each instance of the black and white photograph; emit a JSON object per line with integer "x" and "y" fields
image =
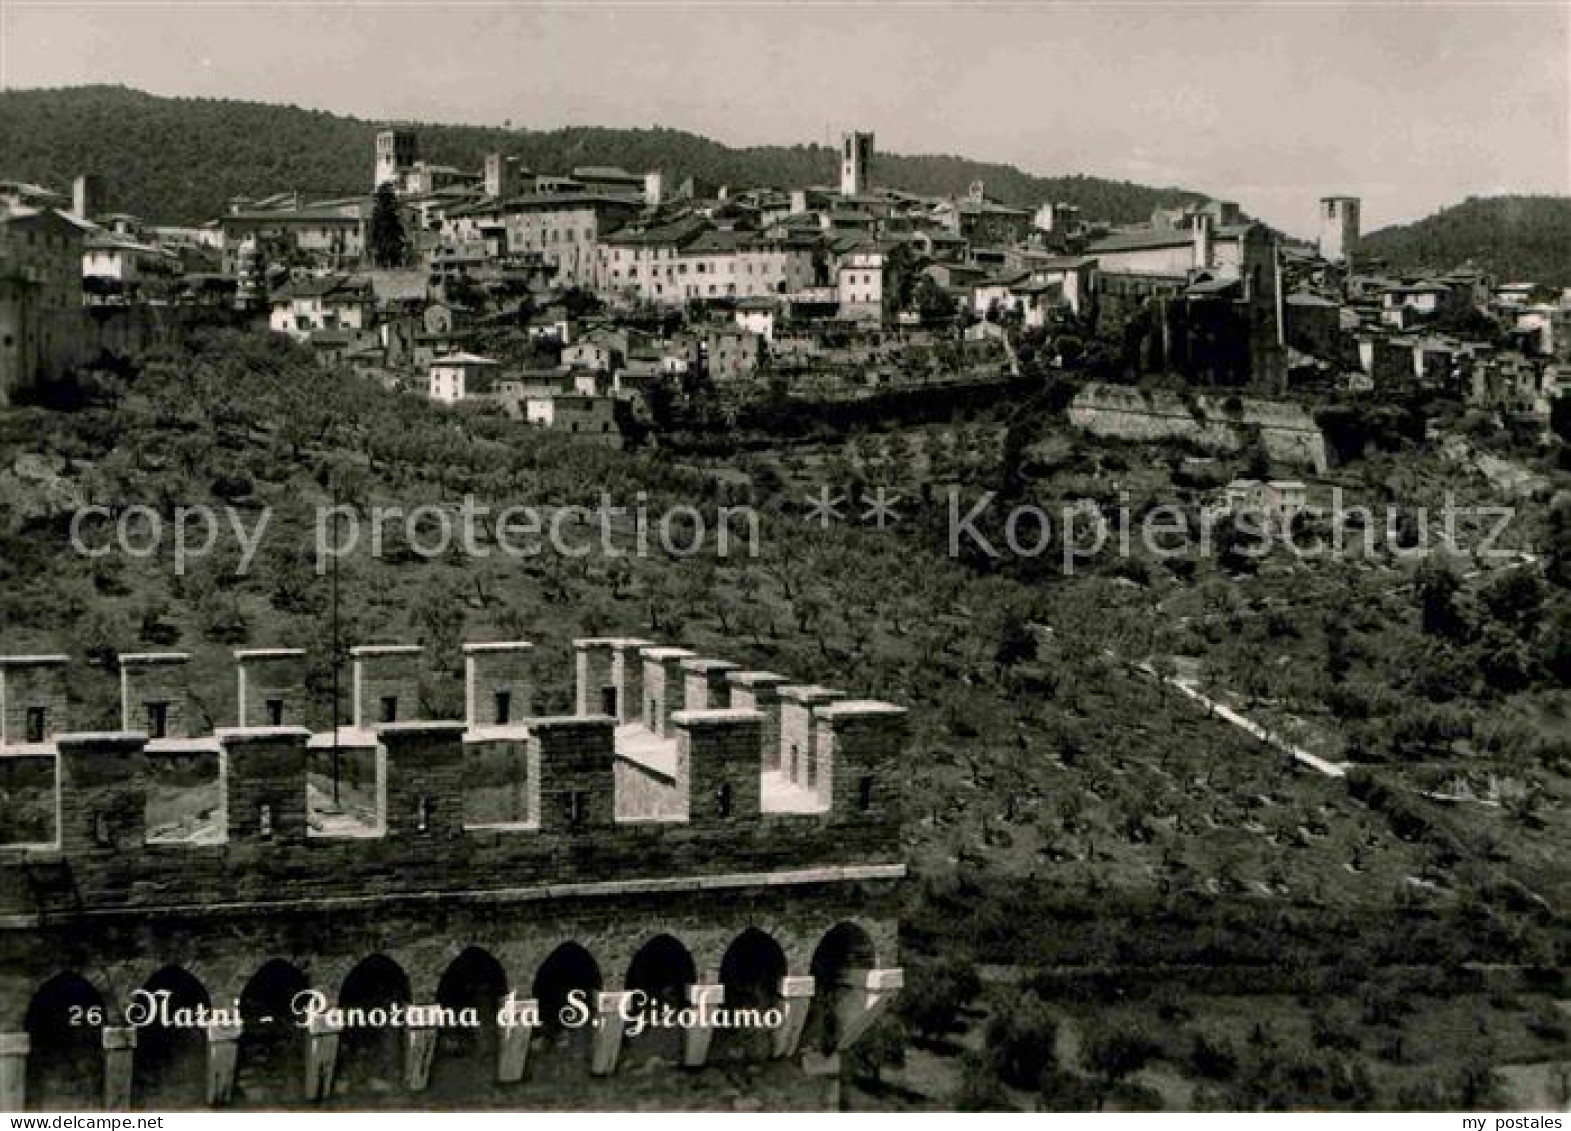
{"x": 669, "y": 556}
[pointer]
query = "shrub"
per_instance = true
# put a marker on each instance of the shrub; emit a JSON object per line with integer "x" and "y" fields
{"x": 980, "y": 1089}
{"x": 1021, "y": 1040}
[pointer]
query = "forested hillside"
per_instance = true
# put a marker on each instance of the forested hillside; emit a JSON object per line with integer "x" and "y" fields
{"x": 1514, "y": 237}
{"x": 179, "y": 160}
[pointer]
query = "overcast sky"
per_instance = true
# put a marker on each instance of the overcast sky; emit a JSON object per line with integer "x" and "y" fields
{"x": 1411, "y": 106}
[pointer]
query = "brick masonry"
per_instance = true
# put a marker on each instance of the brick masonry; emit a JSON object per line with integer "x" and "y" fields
{"x": 106, "y": 905}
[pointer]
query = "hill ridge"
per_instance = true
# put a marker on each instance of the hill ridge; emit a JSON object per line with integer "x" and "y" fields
{"x": 1518, "y": 236}
{"x": 180, "y": 159}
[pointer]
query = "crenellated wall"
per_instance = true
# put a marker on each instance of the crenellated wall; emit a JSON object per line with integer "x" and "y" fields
{"x": 673, "y": 816}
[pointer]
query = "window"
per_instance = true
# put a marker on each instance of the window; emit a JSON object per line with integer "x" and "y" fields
{"x": 723, "y": 800}
{"x": 264, "y": 822}
{"x": 653, "y": 714}
{"x": 812, "y": 770}
{"x": 389, "y": 708}
{"x": 575, "y": 808}
{"x": 795, "y": 761}
{"x": 864, "y": 794}
{"x": 35, "y": 724}
{"x": 503, "y": 703}
{"x": 608, "y": 701}
{"x": 157, "y": 720}
{"x": 423, "y": 815}
{"x": 275, "y": 712}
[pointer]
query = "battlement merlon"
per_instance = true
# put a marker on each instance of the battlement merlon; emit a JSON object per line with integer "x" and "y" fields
{"x": 798, "y": 748}
{"x": 425, "y": 778}
{"x": 32, "y": 698}
{"x": 574, "y": 757}
{"x": 498, "y": 683}
{"x": 609, "y": 676}
{"x": 154, "y": 693}
{"x": 101, "y": 792}
{"x": 858, "y": 745}
{"x": 627, "y": 676}
{"x": 665, "y": 689}
{"x": 704, "y": 683}
{"x": 717, "y": 759}
{"x": 270, "y": 686}
{"x": 760, "y": 691}
{"x": 386, "y": 683}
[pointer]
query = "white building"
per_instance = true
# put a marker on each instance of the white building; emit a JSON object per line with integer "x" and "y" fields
{"x": 332, "y": 302}
{"x": 860, "y": 282}
{"x": 454, "y": 377}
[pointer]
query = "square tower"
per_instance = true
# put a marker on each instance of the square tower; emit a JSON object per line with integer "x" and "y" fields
{"x": 501, "y": 176}
{"x": 856, "y": 162}
{"x": 1338, "y": 228}
{"x": 395, "y": 151}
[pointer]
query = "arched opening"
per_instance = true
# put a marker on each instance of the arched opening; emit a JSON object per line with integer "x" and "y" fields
{"x": 566, "y": 987}
{"x": 465, "y": 1064}
{"x": 169, "y": 1068}
{"x": 271, "y": 1060}
{"x": 371, "y": 1049}
{"x": 846, "y": 947}
{"x": 662, "y": 970}
{"x": 751, "y": 972}
{"x": 65, "y": 1063}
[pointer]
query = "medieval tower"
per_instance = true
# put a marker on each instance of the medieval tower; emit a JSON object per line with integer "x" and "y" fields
{"x": 856, "y": 162}
{"x": 1338, "y": 228}
{"x": 395, "y": 152}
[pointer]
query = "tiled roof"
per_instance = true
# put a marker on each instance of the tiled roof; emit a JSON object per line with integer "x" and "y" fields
{"x": 1142, "y": 238}
{"x": 988, "y": 208}
{"x": 1212, "y": 287}
{"x": 1009, "y": 279}
{"x": 325, "y": 286}
{"x": 462, "y": 358}
{"x": 1062, "y": 262}
{"x": 676, "y": 234}
{"x": 568, "y": 199}
{"x": 717, "y": 242}
{"x": 296, "y": 216}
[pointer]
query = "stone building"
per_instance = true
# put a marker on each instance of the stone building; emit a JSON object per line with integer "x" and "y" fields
{"x": 856, "y": 163}
{"x": 42, "y": 328}
{"x": 1339, "y": 228}
{"x": 476, "y": 907}
{"x": 563, "y": 229}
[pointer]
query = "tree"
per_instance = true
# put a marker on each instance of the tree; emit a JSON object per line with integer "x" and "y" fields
{"x": 980, "y": 1089}
{"x": 1557, "y": 541}
{"x": 389, "y": 244}
{"x": 933, "y": 304}
{"x": 1119, "y": 1053}
{"x": 881, "y": 1047}
{"x": 1515, "y": 598}
{"x": 1435, "y": 586}
{"x": 1021, "y": 1040}
{"x": 932, "y": 1001}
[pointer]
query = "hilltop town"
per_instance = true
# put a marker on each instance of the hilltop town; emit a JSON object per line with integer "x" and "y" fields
{"x": 1283, "y": 824}
{"x": 611, "y": 304}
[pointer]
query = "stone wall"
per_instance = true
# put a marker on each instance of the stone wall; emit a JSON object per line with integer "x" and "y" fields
{"x": 1214, "y": 421}
{"x": 803, "y": 902}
